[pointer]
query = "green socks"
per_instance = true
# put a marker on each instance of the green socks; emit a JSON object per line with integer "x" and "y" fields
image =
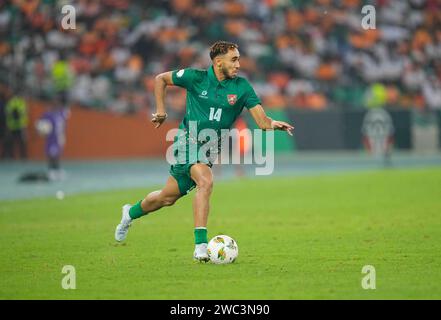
{"x": 200, "y": 235}
{"x": 136, "y": 211}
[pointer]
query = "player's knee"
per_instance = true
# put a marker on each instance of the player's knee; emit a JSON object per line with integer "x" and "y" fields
{"x": 205, "y": 184}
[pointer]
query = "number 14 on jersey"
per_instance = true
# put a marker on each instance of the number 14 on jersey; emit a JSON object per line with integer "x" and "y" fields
{"x": 215, "y": 114}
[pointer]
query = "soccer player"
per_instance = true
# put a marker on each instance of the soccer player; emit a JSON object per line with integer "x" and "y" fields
{"x": 215, "y": 98}
{"x": 52, "y": 125}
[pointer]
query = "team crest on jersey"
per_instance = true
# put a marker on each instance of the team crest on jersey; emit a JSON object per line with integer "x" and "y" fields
{"x": 232, "y": 98}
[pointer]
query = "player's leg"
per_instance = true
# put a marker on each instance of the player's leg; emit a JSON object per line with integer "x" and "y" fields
{"x": 201, "y": 174}
{"x": 203, "y": 177}
{"x": 53, "y": 167}
{"x": 160, "y": 198}
{"x": 155, "y": 200}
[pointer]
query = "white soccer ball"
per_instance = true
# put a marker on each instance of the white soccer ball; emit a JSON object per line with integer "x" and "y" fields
{"x": 222, "y": 249}
{"x": 44, "y": 127}
{"x": 59, "y": 194}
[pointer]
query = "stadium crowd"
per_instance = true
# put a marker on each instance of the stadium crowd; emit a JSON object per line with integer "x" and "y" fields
{"x": 311, "y": 54}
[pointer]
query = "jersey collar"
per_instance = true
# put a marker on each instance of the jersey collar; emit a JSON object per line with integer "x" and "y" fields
{"x": 213, "y": 78}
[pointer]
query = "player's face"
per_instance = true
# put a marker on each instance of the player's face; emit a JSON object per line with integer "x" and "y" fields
{"x": 230, "y": 63}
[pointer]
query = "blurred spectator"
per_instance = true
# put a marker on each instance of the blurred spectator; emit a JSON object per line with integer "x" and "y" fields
{"x": 316, "y": 44}
{"x": 16, "y": 123}
{"x": 432, "y": 92}
{"x": 62, "y": 77}
{"x": 413, "y": 77}
{"x": 3, "y": 99}
{"x": 376, "y": 96}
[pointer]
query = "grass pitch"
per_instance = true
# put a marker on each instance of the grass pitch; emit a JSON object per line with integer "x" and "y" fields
{"x": 299, "y": 238}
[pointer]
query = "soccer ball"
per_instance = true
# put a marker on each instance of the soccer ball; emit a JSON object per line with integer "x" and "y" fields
{"x": 222, "y": 249}
{"x": 44, "y": 127}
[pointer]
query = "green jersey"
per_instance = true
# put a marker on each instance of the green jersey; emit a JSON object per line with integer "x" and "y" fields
{"x": 210, "y": 103}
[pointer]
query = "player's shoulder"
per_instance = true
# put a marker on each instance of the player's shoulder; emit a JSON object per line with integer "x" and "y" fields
{"x": 193, "y": 72}
{"x": 200, "y": 73}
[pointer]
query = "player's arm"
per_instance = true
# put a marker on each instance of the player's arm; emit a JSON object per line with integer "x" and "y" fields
{"x": 161, "y": 82}
{"x": 266, "y": 123}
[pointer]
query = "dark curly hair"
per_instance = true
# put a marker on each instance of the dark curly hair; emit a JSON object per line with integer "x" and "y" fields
{"x": 221, "y": 47}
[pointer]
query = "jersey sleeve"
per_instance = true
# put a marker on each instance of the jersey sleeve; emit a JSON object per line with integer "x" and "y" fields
{"x": 251, "y": 98}
{"x": 183, "y": 77}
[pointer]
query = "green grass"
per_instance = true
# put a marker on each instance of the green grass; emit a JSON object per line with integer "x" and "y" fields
{"x": 299, "y": 238}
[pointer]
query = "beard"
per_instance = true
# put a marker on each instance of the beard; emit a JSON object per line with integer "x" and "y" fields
{"x": 226, "y": 74}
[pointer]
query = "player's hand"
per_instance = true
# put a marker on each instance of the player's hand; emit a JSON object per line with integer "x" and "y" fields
{"x": 158, "y": 119}
{"x": 280, "y": 125}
